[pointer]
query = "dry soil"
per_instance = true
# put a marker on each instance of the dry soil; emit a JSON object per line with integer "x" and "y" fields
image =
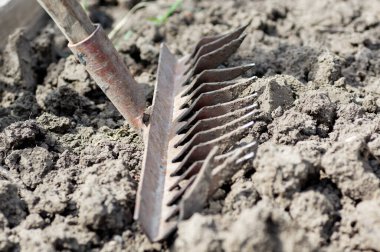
{"x": 69, "y": 166}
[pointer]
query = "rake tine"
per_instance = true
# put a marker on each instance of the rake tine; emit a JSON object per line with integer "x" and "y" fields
{"x": 209, "y": 123}
{"x": 211, "y": 39}
{"x": 196, "y": 197}
{"x": 217, "y": 75}
{"x": 215, "y": 58}
{"x": 214, "y": 45}
{"x": 209, "y": 179}
{"x": 217, "y": 110}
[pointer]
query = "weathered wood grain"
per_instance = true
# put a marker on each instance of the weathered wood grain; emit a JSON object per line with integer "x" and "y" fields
{"x": 70, "y": 17}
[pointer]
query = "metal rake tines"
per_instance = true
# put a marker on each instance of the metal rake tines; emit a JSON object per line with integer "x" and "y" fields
{"x": 195, "y": 108}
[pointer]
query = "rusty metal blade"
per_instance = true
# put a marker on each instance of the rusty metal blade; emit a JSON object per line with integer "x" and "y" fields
{"x": 216, "y": 44}
{"x": 215, "y": 58}
{"x": 150, "y": 196}
{"x": 196, "y": 197}
{"x": 178, "y": 136}
{"x": 199, "y": 152}
{"x": 180, "y": 192}
{"x": 230, "y": 167}
{"x": 200, "y": 43}
{"x": 217, "y": 75}
{"x": 213, "y": 133}
{"x": 219, "y": 159}
{"x": 209, "y": 178}
{"x": 172, "y": 214}
{"x": 209, "y": 123}
{"x": 209, "y": 87}
{"x": 217, "y": 110}
{"x": 205, "y": 88}
{"x": 223, "y": 95}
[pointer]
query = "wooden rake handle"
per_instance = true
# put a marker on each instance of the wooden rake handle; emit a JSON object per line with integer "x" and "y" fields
{"x": 95, "y": 51}
{"x": 70, "y": 17}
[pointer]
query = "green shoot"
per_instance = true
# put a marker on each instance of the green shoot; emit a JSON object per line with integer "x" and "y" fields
{"x": 161, "y": 19}
{"x": 124, "y": 21}
{"x": 85, "y": 4}
{"x": 127, "y": 35}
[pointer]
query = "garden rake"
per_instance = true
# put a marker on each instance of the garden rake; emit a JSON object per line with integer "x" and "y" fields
{"x": 198, "y": 117}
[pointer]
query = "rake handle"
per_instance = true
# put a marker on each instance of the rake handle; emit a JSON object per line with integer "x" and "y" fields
{"x": 70, "y": 17}
{"x": 95, "y": 51}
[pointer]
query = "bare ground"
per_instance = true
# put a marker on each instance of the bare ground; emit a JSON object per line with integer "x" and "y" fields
{"x": 69, "y": 167}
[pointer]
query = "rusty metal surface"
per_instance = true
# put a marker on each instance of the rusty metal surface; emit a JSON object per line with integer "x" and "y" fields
{"x": 211, "y": 176}
{"x": 215, "y": 45}
{"x": 195, "y": 108}
{"x": 222, "y": 94}
{"x": 213, "y": 122}
{"x": 151, "y": 192}
{"x": 216, "y": 75}
{"x": 213, "y": 133}
{"x": 200, "y": 43}
{"x": 107, "y": 68}
{"x": 214, "y": 58}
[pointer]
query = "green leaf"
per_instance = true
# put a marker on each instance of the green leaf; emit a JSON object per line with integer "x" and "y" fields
{"x": 161, "y": 19}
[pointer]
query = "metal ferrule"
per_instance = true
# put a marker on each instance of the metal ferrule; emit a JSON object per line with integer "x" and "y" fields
{"x": 107, "y": 68}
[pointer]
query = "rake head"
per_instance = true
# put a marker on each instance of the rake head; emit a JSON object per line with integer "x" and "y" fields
{"x": 197, "y": 118}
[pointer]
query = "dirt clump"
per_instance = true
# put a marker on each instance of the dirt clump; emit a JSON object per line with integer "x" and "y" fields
{"x": 292, "y": 126}
{"x": 31, "y": 172}
{"x": 259, "y": 228}
{"x": 16, "y": 68}
{"x": 203, "y": 235}
{"x": 274, "y": 94}
{"x": 54, "y": 123}
{"x": 315, "y": 213}
{"x": 327, "y": 70}
{"x": 368, "y": 224}
{"x": 281, "y": 171}
{"x": 266, "y": 227}
{"x": 318, "y": 105}
{"x": 346, "y": 163}
{"x": 13, "y": 208}
{"x": 102, "y": 207}
{"x": 242, "y": 195}
{"x": 24, "y": 133}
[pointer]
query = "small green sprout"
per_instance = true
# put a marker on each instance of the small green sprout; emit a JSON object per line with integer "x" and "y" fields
{"x": 161, "y": 19}
{"x": 85, "y": 5}
{"x": 127, "y": 35}
{"x": 124, "y": 21}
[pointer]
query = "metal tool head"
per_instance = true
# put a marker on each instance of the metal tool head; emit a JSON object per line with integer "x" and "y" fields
{"x": 196, "y": 107}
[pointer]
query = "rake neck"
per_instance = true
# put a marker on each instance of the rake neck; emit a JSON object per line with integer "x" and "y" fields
{"x": 95, "y": 51}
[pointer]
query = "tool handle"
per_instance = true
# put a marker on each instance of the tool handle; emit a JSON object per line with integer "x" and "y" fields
{"x": 70, "y": 17}
{"x": 95, "y": 51}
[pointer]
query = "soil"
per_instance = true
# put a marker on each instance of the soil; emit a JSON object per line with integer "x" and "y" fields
{"x": 69, "y": 165}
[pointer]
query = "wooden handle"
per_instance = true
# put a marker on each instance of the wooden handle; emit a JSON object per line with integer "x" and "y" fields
{"x": 95, "y": 51}
{"x": 70, "y": 17}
